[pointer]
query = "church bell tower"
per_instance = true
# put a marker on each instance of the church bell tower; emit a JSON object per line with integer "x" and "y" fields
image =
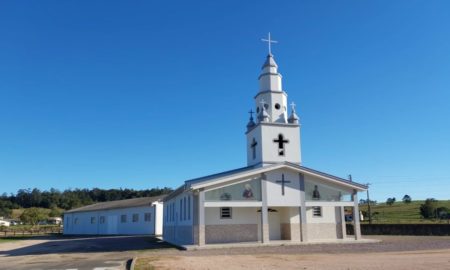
{"x": 273, "y": 136}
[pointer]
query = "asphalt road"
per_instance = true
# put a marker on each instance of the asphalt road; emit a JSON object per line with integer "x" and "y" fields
{"x": 83, "y": 253}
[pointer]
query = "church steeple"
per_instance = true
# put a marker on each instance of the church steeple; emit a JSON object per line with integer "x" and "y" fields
{"x": 273, "y": 137}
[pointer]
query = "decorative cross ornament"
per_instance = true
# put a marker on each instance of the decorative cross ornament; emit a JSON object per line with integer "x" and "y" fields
{"x": 263, "y": 103}
{"x": 269, "y": 41}
{"x": 281, "y": 141}
{"x": 251, "y": 114}
{"x": 293, "y": 106}
{"x": 282, "y": 181}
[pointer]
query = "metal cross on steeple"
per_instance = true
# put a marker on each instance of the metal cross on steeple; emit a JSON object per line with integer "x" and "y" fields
{"x": 263, "y": 103}
{"x": 251, "y": 114}
{"x": 269, "y": 41}
{"x": 293, "y": 105}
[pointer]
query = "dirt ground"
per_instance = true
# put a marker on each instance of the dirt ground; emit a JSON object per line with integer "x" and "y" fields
{"x": 392, "y": 253}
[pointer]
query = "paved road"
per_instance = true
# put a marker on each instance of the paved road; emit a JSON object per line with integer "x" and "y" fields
{"x": 87, "y": 253}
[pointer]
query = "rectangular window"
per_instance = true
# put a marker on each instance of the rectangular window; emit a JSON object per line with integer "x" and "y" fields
{"x": 135, "y": 217}
{"x": 123, "y": 219}
{"x": 173, "y": 211}
{"x": 189, "y": 207}
{"x": 102, "y": 219}
{"x": 225, "y": 212}
{"x": 75, "y": 220}
{"x": 181, "y": 209}
{"x": 184, "y": 210}
{"x": 317, "y": 211}
{"x": 148, "y": 217}
{"x": 92, "y": 220}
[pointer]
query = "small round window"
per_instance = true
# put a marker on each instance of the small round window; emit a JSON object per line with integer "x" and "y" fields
{"x": 277, "y": 106}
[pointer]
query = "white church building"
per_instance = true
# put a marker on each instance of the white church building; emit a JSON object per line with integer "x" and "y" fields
{"x": 274, "y": 197}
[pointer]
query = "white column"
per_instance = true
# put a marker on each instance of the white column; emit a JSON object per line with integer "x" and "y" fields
{"x": 264, "y": 211}
{"x": 356, "y": 225}
{"x": 201, "y": 218}
{"x": 303, "y": 222}
{"x": 344, "y": 224}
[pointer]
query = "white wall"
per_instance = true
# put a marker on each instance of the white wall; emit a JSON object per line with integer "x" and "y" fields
{"x": 112, "y": 224}
{"x": 240, "y": 215}
{"x": 328, "y": 215}
{"x": 291, "y": 190}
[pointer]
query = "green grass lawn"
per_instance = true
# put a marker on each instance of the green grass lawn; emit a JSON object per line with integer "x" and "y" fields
{"x": 401, "y": 212}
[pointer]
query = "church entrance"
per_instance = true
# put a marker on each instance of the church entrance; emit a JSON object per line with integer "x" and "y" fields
{"x": 274, "y": 225}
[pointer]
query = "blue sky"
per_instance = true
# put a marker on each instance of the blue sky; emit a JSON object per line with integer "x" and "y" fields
{"x": 139, "y": 94}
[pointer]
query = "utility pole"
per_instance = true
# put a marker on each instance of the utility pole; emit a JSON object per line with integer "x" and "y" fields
{"x": 368, "y": 204}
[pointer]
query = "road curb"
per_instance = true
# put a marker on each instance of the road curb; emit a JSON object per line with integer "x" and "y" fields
{"x": 133, "y": 262}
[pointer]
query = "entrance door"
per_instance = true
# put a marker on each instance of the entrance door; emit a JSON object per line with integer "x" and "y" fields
{"x": 112, "y": 224}
{"x": 274, "y": 226}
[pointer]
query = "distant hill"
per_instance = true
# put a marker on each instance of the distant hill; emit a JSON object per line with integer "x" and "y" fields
{"x": 401, "y": 212}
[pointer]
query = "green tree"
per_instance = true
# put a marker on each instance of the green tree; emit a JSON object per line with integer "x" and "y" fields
{"x": 406, "y": 198}
{"x": 390, "y": 201}
{"x": 55, "y": 212}
{"x": 428, "y": 209}
{"x": 33, "y": 215}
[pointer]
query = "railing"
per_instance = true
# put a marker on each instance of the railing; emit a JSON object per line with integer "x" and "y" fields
{"x": 30, "y": 230}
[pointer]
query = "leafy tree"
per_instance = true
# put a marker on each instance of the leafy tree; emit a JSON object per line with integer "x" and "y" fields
{"x": 443, "y": 213}
{"x": 406, "y": 198}
{"x": 33, "y": 215}
{"x": 390, "y": 201}
{"x": 428, "y": 209}
{"x": 55, "y": 212}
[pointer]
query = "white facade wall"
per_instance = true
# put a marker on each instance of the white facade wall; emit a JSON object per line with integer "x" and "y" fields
{"x": 328, "y": 215}
{"x": 109, "y": 222}
{"x": 291, "y": 190}
{"x": 239, "y": 215}
{"x": 178, "y": 221}
{"x": 267, "y": 149}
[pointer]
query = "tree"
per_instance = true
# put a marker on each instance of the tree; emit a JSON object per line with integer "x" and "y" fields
{"x": 406, "y": 198}
{"x": 390, "y": 201}
{"x": 33, "y": 215}
{"x": 55, "y": 212}
{"x": 443, "y": 212}
{"x": 428, "y": 209}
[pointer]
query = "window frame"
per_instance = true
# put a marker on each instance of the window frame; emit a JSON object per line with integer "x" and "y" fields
{"x": 225, "y": 216}
{"x": 316, "y": 214}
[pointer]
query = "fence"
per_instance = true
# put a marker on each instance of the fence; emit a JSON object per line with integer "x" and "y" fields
{"x": 29, "y": 230}
{"x": 402, "y": 229}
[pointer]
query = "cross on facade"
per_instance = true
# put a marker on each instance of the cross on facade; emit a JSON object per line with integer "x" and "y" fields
{"x": 282, "y": 181}
{"x": 269, "y": 41}
{"x": 281, "y": 141}
{"x": 253, "y": 146}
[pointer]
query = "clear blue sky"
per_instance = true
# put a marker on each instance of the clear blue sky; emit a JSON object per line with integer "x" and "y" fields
{"x": 139, "y": 94}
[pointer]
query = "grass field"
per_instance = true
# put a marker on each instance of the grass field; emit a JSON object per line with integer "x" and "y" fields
{"x": 401, "y": 212}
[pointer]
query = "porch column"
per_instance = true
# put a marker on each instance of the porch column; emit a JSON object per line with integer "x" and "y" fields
{"x": 344, "y": 224}
{"x": 356, "y": 224}
{"x": 201, "y": 218}
{"x": 303, "y": 222}
{"x": 264, "y": 211}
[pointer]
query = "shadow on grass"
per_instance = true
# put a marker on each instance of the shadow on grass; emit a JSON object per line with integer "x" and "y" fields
{"x": 88, "y": 244}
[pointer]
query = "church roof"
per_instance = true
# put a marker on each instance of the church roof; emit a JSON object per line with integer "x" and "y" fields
{"x": 258, "y": 169}
{"x": 136, "y": 202}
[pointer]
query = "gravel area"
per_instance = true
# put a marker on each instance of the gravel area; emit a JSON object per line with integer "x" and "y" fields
{"x": 394, "y": 252}
{"x": 387, "y": 244}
